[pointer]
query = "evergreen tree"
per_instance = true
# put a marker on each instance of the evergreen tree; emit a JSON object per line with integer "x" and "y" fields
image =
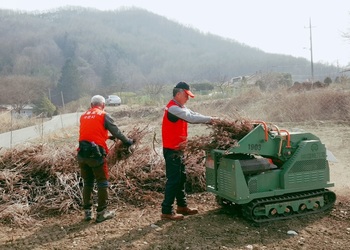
{"x": 45, "y": 106}
{"x": 108, "y": 77}
{"x": 67, "y": 45}
{"x": 69, "y": 82}
{"x": 327, "y": 80}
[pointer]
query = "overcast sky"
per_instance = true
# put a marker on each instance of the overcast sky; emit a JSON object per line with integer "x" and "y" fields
{"x": 276, "y": 26}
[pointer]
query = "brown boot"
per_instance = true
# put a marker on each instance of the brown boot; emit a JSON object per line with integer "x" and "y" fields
{"x": 186, "y": 211}
{"x": 104, "y": 215}
{"x": 172, "y": 216}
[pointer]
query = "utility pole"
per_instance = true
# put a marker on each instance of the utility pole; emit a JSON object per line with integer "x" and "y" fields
{"x": 312, "y": 60}
{"x": 64, "y": 108}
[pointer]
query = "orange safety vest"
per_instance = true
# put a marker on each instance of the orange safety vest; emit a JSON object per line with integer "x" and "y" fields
{"x": 174, "y": 134}
{"x": 92, "y": 127}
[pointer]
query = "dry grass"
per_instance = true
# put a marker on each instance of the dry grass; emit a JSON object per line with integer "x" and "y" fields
{"x": 9, "y": 123}
{"x": 281, "y": 105}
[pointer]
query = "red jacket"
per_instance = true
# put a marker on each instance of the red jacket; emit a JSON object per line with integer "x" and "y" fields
{"x": 174, "y": 133}
{"x": 92, "y": 127}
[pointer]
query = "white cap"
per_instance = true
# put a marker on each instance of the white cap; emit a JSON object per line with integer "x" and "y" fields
{"x": 97, "y": 99}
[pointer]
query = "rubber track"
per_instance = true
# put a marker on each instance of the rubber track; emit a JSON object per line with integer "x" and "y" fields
{"x": 247, "y": 209}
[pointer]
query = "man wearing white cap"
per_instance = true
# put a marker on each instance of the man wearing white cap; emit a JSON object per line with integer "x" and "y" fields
{"x": 93, "y": 133}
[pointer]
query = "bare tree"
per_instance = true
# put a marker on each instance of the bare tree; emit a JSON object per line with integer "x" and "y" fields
{"x": 20, "y": 90}
{"x": 223, "y": 83}
{"x": 153, "y": 89}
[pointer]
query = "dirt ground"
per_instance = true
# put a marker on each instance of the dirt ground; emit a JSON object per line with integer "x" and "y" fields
{"x": 213, "y": 228}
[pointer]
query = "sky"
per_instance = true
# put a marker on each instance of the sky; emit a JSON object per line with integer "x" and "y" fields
{"x": 274, "y": 26}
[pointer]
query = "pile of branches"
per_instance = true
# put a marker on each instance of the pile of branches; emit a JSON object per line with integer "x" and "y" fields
{"x": 37, "y": 180}
{"x": 42, "y": 180}
{"x": 137, "y": 172}
{"x": 224, "y": 134}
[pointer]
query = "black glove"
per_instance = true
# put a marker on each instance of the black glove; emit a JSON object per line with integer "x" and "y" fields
{"x": 111, "y": 137}
{"x": 129, "y": 142}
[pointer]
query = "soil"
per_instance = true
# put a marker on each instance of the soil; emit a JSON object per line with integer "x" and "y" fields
{"x": 213, "y": 228}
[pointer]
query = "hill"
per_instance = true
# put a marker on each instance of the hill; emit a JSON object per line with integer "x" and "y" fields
{"x": 77, "y": 50}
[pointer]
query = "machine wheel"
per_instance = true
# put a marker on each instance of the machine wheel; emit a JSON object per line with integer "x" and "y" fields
{"x": 273, "y": 213}
{"x": 258, "y": 210}
{"x": 288, "y": 211}
{"x": 302, "y": 208}
{"x": 316, "y": 206}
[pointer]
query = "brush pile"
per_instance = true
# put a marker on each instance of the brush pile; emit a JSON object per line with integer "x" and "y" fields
{"x": 38, "y": 180}
{"x": 43, "y": 180}
{"x": 224, "y": 134}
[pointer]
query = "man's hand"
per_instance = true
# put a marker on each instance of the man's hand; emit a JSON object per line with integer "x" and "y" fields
{"x": 214, "y": 120}
{"x": 129, "y": 142}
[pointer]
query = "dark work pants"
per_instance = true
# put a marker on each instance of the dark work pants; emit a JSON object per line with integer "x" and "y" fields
{"x": 176, "y": 179}
{"x": 91, "y": 170}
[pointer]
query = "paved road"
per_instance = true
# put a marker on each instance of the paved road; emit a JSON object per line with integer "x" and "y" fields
{"x": 15, "y": 137}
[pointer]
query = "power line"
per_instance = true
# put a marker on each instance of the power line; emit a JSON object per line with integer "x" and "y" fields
{"x": 312, "y": 60}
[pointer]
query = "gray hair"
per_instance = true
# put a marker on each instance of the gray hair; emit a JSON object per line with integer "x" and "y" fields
{"x": 97, "y": 100}
{"x": 177, "y": 90}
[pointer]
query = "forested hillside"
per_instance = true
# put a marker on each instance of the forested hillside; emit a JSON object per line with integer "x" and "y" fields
{"x": 71, "y": 51}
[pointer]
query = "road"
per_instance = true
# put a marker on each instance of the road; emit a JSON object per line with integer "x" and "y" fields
{"x": 10, "y": 139}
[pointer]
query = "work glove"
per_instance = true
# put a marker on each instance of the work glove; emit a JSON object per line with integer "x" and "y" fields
{"x": 129, "y": 142}
{"x": 214, "y": 120}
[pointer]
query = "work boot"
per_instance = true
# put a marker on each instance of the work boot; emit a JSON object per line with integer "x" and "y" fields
{"x": 104, "y": 215}
{"x": 172, "y": 216}
{"x": 186, "y": 211}
{"x": 88, "y": 214}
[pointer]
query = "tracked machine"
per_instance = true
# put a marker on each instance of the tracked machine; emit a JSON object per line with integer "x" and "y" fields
{"x": 272, "y": 174}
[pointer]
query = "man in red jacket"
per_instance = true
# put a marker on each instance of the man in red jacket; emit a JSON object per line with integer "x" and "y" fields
{"x": 93, "y": 133}
{"x": 174, "y": 136}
